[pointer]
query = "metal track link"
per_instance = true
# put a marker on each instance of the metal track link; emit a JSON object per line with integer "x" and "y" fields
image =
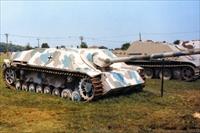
{"x": 98, "y": 87}
{"x": 56, "y": 72}
{"x": 96, "y": 81}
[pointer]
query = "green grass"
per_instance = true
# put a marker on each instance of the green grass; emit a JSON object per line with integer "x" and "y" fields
{"x": 139, "y": 112}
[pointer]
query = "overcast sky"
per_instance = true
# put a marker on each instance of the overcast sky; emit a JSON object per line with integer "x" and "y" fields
{"x": 100, "y": 23}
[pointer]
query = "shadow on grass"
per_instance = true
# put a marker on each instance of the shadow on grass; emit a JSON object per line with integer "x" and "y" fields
{"x": 131, "y": 95}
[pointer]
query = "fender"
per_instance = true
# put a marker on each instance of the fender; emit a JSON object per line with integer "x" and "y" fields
{"x": 6, "y": 63}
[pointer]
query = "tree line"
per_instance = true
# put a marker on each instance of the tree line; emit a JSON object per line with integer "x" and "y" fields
{"x": 13, "y": 47}
{"x": 4, "y": 47}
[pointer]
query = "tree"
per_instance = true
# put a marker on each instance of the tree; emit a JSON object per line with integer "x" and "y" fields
{"x": 45, "y": 45}
{"x": 117, "y": 48}
{"x": 62, "y": 46}
{"x": 125, "y": 46}
{"x": 28, "y": 47}
{"x": 103, "y": 47}
{"x": 83, "y": 45}
{"x": 10, "y": 47}
{"x": 176, "y": 42}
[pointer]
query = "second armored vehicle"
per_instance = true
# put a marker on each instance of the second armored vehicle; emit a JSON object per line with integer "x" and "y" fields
{"x": 185, "y": 67}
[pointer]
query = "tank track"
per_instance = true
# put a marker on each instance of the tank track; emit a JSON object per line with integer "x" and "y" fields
{"x": 167, "y": 64}
{"x": 96, "y": 81}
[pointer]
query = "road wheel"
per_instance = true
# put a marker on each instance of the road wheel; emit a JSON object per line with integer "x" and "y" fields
{"x": 148, "y": 73}
{"x": 66, "y": 93}
{"x": 38, "y": 89}
{"x": 18, "y": 85}
{"x": 177, "y": 73}
{"x": 47, "y": 90}
{"x": 187, "y": 73}
{"x": 167, "y": 74}
{"x": 56, "y": 92}
{"x": 25, "y": 86}
{"x": 31, "y": 87}
{"x": 76, "y": 96}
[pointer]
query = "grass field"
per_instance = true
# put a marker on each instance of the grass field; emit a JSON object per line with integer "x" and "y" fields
{"x": 139, "y": 112}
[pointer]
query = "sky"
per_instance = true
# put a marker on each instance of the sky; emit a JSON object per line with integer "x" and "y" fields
{"x": 108, "y": 23}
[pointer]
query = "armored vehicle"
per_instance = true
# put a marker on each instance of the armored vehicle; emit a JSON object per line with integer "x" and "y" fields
{"x": 77, "y": 74}
{"x": 185, "y": 68}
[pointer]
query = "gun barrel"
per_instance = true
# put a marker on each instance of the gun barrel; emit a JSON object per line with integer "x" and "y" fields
{"x": 156, "y": 56}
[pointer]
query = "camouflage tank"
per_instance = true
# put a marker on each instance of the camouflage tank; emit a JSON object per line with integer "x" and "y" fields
{"x": 77, "y": 74}
{"x": 185, "y": 68}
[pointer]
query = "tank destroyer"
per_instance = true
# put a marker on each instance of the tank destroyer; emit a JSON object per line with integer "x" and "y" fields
{"x": 77, "y": 74}
{"x": 185, "y": 68}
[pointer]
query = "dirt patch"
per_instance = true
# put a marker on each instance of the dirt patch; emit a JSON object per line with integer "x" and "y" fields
{"x": 192, "y": 98}
{"x": 28, "y": 118}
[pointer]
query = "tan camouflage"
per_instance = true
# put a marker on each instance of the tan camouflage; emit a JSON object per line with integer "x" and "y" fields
{"x": 83, "y": 61}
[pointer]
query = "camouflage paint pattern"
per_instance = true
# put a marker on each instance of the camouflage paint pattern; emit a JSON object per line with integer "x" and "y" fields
{"x": 79, "y": 60}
